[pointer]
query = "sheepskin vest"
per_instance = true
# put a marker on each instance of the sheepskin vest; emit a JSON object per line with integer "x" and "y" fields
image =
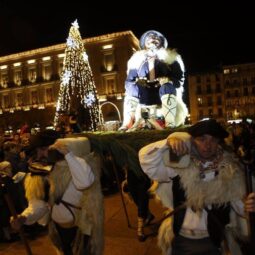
{"x": 227, "y": 187}
{"x": 89, "y": 219}
{"x": 218, "y": 216}
{"x": 213, "y": 196}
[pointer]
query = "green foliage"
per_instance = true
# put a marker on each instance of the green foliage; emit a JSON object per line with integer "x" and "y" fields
{"x": 124, "y": 147}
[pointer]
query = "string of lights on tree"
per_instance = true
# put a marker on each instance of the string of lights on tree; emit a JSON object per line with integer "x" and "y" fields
{"x": 77, "y": 93}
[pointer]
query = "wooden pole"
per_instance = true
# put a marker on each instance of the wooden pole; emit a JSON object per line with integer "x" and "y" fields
{"x": 251, "y": 216}
{"x": 119, "y": 185}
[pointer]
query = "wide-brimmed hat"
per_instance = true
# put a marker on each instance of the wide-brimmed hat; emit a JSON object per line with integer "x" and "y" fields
{"x": 208, "y": 127}
{"x": 43, "y": 139}
{"x": 162, "y": 38}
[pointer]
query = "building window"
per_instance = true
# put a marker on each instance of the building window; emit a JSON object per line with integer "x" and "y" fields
{"x": 236, "y": 93}
{"x": 235, "y": 82}
{"x": 4, "y": 80}
{"x": 199, "y": 101}
{"x": 201, "y": 114}
{"x": 208, "y": 79}
{"x": 199, "y": 90}
{"x": 209, "y": 101}
{"x": 219, "y": 100}
{"x": 220, "y": 113}
{"x": 60, "y": 68}
{"x": 32, "y": 75}
{"x": 47, "y": 72}
{"x": 228, "y": 95}
{"x": 110, "y": 86}
{"x": 210, "y": 113}
{"x": 108, "y": 58}
{"x": 208, "y": 89}
{"x": 6, "y": 101}
{"x": 245, "y": 91}
{"x": 198, "y": 78}
{"x": 19, "y": 99}
{"x": 34, "y": 97}
{"x": 245, "y": 81}
{"x": 218, "y": 88}
{"x": 17, "y": 77}
{"x": 49, "y": 95}
{"x": 227, "y": 83}
{"x": 109, "y": 62}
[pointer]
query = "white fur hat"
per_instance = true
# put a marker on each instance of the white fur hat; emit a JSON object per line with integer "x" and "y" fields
{"x": 162, "y": 38}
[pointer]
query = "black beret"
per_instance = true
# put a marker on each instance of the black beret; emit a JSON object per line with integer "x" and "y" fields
{"x": 208, "y": 127}
{"x": 44, "y": 138}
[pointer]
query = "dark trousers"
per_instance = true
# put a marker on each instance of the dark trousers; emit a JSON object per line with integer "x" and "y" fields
{"x": 139, "y": 191}
{"x": 185, "y": 246}
{"x": 67, "y": 236}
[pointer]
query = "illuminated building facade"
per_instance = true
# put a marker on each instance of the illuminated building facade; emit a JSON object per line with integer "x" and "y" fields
{"x": 29, "y": 81}
{"x": 227, "y": 94}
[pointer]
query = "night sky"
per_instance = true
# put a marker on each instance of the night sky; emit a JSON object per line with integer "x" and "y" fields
{"x": 205, "y": 35}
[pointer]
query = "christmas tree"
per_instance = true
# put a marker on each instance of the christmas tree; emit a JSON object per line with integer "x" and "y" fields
{"x": 77, "y": 93}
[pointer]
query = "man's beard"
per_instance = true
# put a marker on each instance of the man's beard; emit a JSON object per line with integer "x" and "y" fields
{"x": 152, "y": 51}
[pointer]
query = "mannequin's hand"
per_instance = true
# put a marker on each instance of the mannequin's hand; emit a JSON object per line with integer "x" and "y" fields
{"x": 141, "y": 81}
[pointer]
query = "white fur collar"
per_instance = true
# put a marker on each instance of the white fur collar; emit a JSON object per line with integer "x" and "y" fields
{"x": 227, "y": 186}
{"x": 166, "y": 55}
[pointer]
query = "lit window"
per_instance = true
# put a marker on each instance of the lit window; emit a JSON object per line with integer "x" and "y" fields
{"x": 62, "y": 55}
{"x": 46, "y": 58}
{"x": 34, "y": 97}
{"x": 109, "y": 62}
{"x": 110, "y": 85}
{"x": 49, "y": 95}
{"x": 19, "y": 99}
{"x": 32, "y": 75}
{"x": 6, "y": 101}
{"x": 4, "y": 80}
{"x": 46, "y": 72}
{"x": 60, "y": 68}
{"x": 107, "y": 47}
{"x": 200, "y": 101}
{"x": 31, "y": 61}
{"x": 17, "y": 77}
{"x": 3, "y": 67}
{"x": 102, "y": 98}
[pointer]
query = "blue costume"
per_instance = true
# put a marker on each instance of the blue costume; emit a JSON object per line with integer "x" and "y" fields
{"x": 155, "y": 76}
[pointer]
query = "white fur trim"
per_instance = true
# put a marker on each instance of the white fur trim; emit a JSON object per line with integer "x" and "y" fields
{"x": 166, "y": 235}
{"x": 166, "y": 55}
